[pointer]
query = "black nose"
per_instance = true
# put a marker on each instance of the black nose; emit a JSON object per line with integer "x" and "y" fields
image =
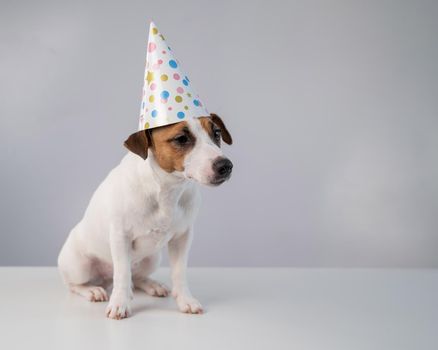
{"x": 222, "y": 167}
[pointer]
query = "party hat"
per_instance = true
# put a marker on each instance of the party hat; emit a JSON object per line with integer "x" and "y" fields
{"x": 168, "y": 96}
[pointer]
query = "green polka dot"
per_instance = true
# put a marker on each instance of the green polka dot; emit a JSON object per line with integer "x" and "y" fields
{"x": 186, "y": 107}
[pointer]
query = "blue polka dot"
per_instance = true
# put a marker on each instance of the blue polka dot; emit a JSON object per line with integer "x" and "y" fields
{"x": 181, "y": 115}
{"x": 142, "y": 105}
{"x": 196, "y": 102}
{"x": 154, "y": 113}
{"x": 165, "y": 94}
{"x": 173, "y": 63}
{"x": 185, "y": 82}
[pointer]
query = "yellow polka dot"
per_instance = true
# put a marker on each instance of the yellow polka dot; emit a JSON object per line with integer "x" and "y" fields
{"x": 186, "y": 107}
{"x": 149, "y": 77}
{"x": 151, "y": 98}
{"x": 178, "y": 98}
{"x": 164, "y": 77}
{"x": 146, "y": 125}
{"x": 154, "y": 31}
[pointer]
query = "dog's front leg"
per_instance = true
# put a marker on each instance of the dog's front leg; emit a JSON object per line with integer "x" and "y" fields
{"x": 119, "y": 304}
{"x": 178, "y": 255}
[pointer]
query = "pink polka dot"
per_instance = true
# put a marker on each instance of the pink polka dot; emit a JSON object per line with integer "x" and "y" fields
{"x": 170, "y": 108}
{"x": 146, "y": 109}
{"x": 151, "y": 47}
{"x": 163, "y": 52}
{"x": 176, "y": 76}
{"x": 180, "y": 90}
{"x": 153, "y": 86}
{"x": 160, "y": 61}
{"x": 164, "y": 100}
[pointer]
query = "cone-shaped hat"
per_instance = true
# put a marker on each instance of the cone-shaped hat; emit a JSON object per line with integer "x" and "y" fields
{"x": 168, "y": 96}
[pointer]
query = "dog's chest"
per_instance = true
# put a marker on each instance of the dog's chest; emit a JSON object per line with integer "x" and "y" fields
{"x": 160, "y": 221}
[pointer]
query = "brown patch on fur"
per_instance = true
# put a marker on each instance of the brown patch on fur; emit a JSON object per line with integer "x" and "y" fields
{"x": 208, "y": 126}
{"x": 168, "y": 153}
{"x": 226, "y": 136}
{"x": 138, "y": 143}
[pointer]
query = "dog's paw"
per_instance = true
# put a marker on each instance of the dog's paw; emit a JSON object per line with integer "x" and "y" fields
{"x": 96, "y": 294}
{"x": 118, "y": 307}
{"x": 189, "y": 305}
{"x": 91, "y": 293}
{"x": 153, "y": 288}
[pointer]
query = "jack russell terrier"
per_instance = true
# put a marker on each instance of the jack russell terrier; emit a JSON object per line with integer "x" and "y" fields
{"x": 149, "y": 200}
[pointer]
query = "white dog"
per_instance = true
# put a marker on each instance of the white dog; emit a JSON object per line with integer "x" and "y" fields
{"x": 149, "y": 200}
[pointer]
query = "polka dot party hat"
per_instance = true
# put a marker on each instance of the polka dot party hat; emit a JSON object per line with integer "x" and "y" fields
{"x": 168, "y": 96}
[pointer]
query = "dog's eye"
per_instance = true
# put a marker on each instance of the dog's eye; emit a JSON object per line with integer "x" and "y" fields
{"x": 181, "y": 140}
{"x": 217, "y": 134}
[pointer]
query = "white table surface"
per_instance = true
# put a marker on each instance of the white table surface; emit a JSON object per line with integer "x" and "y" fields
{"x": 246, "y": 308}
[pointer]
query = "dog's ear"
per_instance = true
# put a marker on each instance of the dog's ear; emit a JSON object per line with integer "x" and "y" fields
{"x": 224, "y": 131}
{"x": 138, "y": 143}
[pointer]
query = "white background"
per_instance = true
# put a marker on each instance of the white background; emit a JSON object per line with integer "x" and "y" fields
{"x": 332, "y": 104}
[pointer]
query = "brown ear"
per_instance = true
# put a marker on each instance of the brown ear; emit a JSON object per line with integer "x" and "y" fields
{"x": 138, "y": 143}
{"x": 225, "y": 133}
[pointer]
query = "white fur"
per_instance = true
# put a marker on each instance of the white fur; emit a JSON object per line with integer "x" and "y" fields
{"x": 137, "y": 210}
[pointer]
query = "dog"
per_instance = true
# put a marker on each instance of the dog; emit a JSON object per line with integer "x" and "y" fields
{"x": 148, "y": 201}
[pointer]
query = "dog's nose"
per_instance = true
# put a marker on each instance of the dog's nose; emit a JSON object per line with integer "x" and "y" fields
{"x": 222, "y": 167}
